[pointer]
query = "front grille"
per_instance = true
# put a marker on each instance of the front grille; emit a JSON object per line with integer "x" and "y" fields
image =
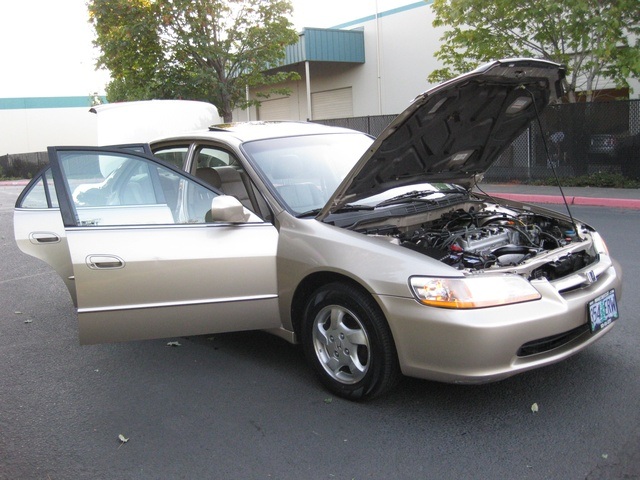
{"x": 546, "y": 344}
{"x": 564, "y": 266}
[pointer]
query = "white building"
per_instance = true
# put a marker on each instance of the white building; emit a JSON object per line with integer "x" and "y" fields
{"x": 373, "y": 65}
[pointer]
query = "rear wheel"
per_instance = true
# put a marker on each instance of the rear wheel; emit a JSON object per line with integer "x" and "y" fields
{"x": 347, "y": 340}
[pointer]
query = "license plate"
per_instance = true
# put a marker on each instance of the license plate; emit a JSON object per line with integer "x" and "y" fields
{"x": 603, "y": 310}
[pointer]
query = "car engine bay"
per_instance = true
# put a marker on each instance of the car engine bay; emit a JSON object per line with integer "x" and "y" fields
{"x": 477, "y": 236}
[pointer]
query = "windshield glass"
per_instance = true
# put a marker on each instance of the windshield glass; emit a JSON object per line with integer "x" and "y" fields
{"x": 304, "y": 171}
{"x": 417, "y": 191}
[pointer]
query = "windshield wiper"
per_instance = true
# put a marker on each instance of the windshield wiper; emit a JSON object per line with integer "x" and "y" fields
{"x": 415, "y": 196}
{"x": 344, "y": 208}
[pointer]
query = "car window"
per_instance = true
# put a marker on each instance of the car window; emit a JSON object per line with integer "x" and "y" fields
{"x": 221, "y": 169}
{"x": 213, "y": 157}
{"x": 304, "y": 171}
{"x": 175, "y": 155}
{"x": 118, "y": 189}
{"x": 42, "y": 193}
{"x": 134, "y": 147}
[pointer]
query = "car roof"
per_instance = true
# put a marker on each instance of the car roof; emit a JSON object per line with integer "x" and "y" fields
{"x": 258, "y": 130}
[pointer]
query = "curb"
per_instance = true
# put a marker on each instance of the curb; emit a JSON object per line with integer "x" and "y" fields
{"x": 633, "y": 204}
{"x": 14, "y": 183}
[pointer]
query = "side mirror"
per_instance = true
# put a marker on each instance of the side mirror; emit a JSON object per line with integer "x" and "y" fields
{"x": 227, "y": 209}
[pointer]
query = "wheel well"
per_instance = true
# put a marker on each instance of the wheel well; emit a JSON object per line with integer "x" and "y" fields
{"x": 308, "y": 286}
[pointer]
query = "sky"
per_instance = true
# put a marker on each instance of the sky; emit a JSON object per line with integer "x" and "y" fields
{"x": 46, "y": 50}
{"x": 46, "y": 45}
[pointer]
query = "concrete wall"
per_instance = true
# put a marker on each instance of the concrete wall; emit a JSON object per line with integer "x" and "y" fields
{"x": 34, "y": 129}
{"x": 399, "y": 47}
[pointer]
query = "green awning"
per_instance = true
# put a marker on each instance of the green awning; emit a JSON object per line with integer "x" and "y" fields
{"x": 326, "y": 45}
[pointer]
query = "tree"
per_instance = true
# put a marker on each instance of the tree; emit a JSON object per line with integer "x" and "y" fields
{"x": 209, "y": 50}
{"x": 127, "y": 34}
{"x": 597, "y": 40}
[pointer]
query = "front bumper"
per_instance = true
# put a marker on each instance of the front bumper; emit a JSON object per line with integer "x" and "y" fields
{"x": 484, "y": 345}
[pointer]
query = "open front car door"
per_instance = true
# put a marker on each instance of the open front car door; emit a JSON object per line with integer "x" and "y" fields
{"x": 141, "y": 248}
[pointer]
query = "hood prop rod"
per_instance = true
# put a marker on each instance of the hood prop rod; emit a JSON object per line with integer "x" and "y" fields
{"x": 549, "y": 162}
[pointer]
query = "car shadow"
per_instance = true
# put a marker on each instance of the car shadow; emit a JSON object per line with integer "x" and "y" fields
{"x": 554, "y": 383}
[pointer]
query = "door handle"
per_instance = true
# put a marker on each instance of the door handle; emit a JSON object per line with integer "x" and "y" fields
{"x": 43, "y": 237}
{"x": 104, "y": 262}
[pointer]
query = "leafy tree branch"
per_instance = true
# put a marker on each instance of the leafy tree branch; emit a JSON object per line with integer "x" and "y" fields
{"x": 597, "y": 40}
{"x": 207, "y": 50}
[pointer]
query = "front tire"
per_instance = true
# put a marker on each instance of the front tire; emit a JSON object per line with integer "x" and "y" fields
{"x": 347, "y": 340}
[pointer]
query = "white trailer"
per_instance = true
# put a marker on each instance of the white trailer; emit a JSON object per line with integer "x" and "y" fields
{"x": 25, "y": 130}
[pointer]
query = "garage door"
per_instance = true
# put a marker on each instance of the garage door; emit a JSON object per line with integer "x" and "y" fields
{"x": 277, "y": 109}
{"x": 332, "y": 104}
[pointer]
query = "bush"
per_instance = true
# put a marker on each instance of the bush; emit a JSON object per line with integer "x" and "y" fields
{"x": 24, "y": 165}
{"x": 602, "y": 179}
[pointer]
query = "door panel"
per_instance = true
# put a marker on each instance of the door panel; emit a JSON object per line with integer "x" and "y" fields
{"x": 176, "y": 321}
{"x": 146, "y": 262}
{"x": 36, "y": 231}
{"x": 38, "y": 228}
{"x": 152, "y": 282}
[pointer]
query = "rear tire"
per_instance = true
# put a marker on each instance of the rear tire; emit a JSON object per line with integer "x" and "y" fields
{"x": 348, "y": 342}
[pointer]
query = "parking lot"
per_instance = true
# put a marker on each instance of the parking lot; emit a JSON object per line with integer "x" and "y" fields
{"x": 246, "y": 405}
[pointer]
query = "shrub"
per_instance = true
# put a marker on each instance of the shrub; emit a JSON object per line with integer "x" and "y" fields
{"x": 601, "y": 179}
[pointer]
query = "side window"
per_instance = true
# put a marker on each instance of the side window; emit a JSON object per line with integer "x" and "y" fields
{"x": 176, "y": 155}
{"x": 222, "y": 170}
{"x": 213, "y": 157}
{"x": 118, "y": 189}
{"x": 42, "y": 193}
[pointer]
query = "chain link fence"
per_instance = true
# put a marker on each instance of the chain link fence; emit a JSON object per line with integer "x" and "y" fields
{"x": 575, "y": 139}
{"x": 373, "y": 125}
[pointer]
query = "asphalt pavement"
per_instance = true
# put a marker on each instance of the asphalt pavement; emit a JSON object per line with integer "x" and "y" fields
{"x": 245, "y": 405}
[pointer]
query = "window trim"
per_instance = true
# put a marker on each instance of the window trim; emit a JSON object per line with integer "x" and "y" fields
{"x": 65, "y": 199}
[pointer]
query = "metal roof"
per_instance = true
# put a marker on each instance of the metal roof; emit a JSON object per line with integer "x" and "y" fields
{"x": 326, "y": 45}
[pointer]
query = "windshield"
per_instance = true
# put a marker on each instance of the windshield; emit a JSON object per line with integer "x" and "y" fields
{"x": 418, "y": 192}
{"x": 304, "y": 171}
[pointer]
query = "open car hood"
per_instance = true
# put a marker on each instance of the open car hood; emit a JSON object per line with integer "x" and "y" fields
{"x": 453, "y": 132}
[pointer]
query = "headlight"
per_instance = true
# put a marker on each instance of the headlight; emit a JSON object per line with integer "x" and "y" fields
{"x": 472, "y": 292}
